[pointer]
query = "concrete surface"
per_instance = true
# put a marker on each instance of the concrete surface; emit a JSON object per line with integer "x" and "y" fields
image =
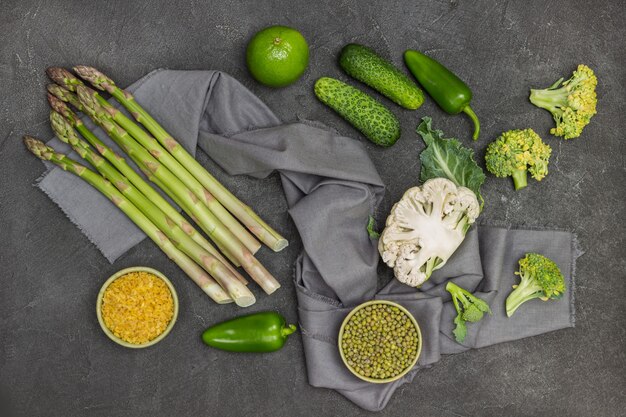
{"x": 55, "y": 360}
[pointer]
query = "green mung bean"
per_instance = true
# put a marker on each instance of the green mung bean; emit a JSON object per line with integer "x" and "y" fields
{"x": 379, "y": 341}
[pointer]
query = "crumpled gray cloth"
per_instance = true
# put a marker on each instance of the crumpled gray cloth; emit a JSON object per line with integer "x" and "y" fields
{"x": 331, "y": 187}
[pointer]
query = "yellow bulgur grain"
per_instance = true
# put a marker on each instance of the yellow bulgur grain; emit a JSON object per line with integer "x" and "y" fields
{"x": 137, "y": 307}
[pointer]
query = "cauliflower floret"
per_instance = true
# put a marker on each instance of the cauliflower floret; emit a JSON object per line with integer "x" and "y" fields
{"x": 425, "y": 228}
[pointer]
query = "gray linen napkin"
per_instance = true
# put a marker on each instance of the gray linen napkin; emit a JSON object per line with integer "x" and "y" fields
{"x": 331, "y": 187}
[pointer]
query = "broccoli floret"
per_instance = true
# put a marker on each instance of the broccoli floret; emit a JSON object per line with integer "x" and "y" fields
{"x": 468, "y": 308}
{"x": 540, "y": 278}
{"x": 572, "y": 103}
{"x": 371, "y": 228}
{"x": 516, "y": 152}
{"x": 460, "y": 331}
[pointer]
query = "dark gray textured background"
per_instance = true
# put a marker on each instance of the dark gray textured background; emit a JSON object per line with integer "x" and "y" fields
{"x": 55, "y": 360}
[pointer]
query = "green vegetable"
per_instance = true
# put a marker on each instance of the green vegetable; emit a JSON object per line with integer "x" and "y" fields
{"x": 258, "y": 332}
{"x": 366, "y": 114}
{"x": 365, "y": 65}
{"x": 63, "y": 94}
{"x": 108, "y": 117}
{"x": 156, "y": 172}
{"x": 379, "y": 341}
{"x": 171, "y": 184}
{"x": 193, "y": 270}
{"x": 174, "y": 187}
{"x": 469, "y": 308}
{"x": 200, "y": 175}
{"x": 447, "y": 158}
{"x": 572, "y": 102}
{"x": 89, "y": 99}
{"x": 229, "y": 282}
{"x": 371, "y": 228}
{"x": 540, "y": 278}
{"x": 161, "y": 175}
{"x": 516, "y": 152}
{"x": 450, "y": 93}
{"x": 125, "y": 169}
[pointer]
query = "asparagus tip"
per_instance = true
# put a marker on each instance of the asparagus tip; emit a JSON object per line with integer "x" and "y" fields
{"x": 87, "y": 99}
{"x": 29, "y": 141}
{"x": 84, "y": 91}
{"x": 63, "y": 77}
{"x": 56, "y": 104}
{"x": 94, "y": 77}
{"x": 58, "y": 91}
{"x": 53, "y": 88}
{"x": 61, "y": 127}
{"x": 37, "y": 147}
{"x": 53, "y": 72}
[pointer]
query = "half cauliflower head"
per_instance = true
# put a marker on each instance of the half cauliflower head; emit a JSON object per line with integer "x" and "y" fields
{"x": 425, "y": 228}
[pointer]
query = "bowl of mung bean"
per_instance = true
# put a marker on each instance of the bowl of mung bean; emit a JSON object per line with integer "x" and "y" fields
{"x": 137, "y": 307}
{"x": 379, "y": 341}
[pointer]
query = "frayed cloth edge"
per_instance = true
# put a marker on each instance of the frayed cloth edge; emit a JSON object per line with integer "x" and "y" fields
{"x": 51, "y": 196}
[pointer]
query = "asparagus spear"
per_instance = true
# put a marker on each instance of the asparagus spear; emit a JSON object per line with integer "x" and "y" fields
{"x": 160, "y": 175}
{"x": 87, "y": 95}
{"x": 248, "y": 217}
{"x": 237, "y": 291}
{"x": 64, "y": 95}
{"x": 135, "y": 179}
{"x": 197, "y": 274}
{"x": 209, "y": 223}
{"x": 186, "y": 200}
{"x": 181, "y": 204}
{"x": 180, "y": 171}
{"x": 63, "y": 76}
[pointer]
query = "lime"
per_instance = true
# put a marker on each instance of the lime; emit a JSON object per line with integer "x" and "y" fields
{"x": 277, "y": 56}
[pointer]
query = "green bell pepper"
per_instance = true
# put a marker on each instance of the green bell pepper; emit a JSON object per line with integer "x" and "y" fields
{"x": 450, "y": 93}
{"x": 258, "y": 332}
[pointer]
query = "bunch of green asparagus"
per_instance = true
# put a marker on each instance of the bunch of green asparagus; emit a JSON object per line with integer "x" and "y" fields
{"x": 233, "y": 227}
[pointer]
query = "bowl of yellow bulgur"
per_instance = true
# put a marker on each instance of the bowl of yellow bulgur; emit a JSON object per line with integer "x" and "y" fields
{"x": 137, "y": 307}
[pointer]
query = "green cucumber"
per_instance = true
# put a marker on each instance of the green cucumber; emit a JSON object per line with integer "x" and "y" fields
{"x": 363, "y": 112}
{"x": 363, "y": 64}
